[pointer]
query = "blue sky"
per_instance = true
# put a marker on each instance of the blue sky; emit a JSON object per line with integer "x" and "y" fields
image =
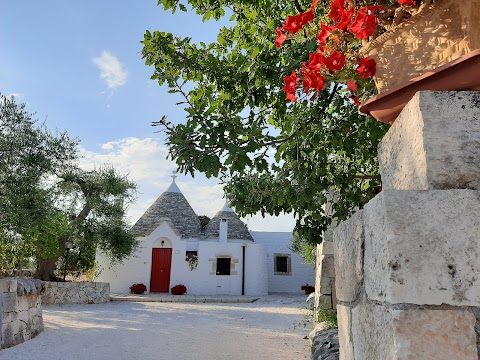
{"x": 77, "y": 64}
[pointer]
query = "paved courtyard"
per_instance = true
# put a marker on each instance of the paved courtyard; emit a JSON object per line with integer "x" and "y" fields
{"x": 270, "y": 328}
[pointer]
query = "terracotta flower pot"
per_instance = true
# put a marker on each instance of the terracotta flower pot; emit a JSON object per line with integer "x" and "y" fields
{"x": 458, "y": 75}
{"x": 439, "y": 34}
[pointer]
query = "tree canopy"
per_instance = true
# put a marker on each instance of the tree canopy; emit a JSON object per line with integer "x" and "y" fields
{"x": 47, "y": 200}
{"x": 273, "y": 156}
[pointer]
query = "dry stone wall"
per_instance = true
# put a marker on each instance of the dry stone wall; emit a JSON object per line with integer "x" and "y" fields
{"x": 407, "y": 265}
{"x": 20, "y": 302}
{"x": 63, "y": 293}
{"x": 325, "y": 297}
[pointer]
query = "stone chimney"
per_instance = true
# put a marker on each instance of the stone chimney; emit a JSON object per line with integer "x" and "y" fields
{"x": 223, "y": 231}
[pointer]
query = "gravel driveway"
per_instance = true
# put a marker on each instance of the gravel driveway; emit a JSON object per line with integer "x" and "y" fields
{"x": 270, "y": 328}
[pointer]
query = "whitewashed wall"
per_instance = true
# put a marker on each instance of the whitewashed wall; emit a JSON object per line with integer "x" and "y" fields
{"x": 278, "y": 243}
{"x": 137, "y": 269}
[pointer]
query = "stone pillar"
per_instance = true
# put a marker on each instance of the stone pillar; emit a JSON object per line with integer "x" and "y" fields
{"x": 325, "y": 274}
{"x": 325, "y": 296}
{"x": 407, "y": 265}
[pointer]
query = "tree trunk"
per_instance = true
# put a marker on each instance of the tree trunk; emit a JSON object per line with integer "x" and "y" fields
{"x": 46, "y": 270}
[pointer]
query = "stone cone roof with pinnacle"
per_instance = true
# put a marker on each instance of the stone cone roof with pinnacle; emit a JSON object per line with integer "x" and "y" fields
{"x": 236, "y": 228}
{"x": 173, "y": 205}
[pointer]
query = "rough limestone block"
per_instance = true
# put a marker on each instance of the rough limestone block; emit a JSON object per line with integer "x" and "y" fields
{"x": 334, "y": 297}
{"x": 9, "y": 301}
{"x": 344, "y": 317}
{"x": 348, "y": 243}
{"x": 318, "y": 275}
{"x": 325, "y": 301}
{"x": 8, "y": 285}
{"x": 327, "y": 266}
{"x": 371, "y": 332}
{"x": 421, "y": 247}
{"x": 326, "y": 248}
{"x": 434, "y": 143}
{"x": 378, "y": 332}
{"x": 326, "y": 286}
{"x": 434, "y": 334}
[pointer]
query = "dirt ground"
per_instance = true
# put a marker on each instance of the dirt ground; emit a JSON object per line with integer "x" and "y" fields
{"x": 270, "y": 328}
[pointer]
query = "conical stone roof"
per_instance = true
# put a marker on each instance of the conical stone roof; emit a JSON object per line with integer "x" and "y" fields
{"x": 236, "y": 228}
{"x": 173, "y": 205}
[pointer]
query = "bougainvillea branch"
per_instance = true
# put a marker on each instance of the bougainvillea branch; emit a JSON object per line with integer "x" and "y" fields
{"x": 334, "y": 59}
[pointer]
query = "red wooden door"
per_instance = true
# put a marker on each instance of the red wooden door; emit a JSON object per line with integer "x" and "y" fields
{"x": 161, "y": 266}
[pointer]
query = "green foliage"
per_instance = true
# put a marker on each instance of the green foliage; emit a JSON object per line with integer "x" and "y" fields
{"x": 192, "y": 260}
{"x": 327, "y": 317}
{"x": 15, "y": 250}
{"x": 204, "y": 220}
{"x": 273, "y": 157}
{"x": 47, "y": 200}
{"x": 312, "y": 317}
{"x": 303, "y": 248}
{"x": 28, "y": 153}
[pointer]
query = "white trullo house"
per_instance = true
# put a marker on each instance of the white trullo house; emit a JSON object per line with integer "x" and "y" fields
{"x": 231, "y": 259}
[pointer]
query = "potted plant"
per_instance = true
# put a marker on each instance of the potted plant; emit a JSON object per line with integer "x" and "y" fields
{"x": 390, "y": 40}
{"x": 340, "y": 28}
{"x": 192, "y": 260}
{"x": 433, "y": 35}
{"x": 179, "y": 290}
{"x": 138, "y": 289}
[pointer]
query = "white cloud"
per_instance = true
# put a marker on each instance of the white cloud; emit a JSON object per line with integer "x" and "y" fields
{"x": 144, "y": 161}
{"x": 111, "y": 70}
{"x": 17, "y": 96}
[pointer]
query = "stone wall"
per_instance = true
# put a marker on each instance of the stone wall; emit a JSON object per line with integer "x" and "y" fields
{"x": 62, "y": 293}
{"x": 325, "y": 297}
{"x": 407, "y": 265}
{"x": 20, "y": 303}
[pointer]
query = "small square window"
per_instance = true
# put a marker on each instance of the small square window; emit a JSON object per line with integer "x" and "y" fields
{"x": 223, "y": 266}
{"x": 282, "y": 264}
{"x": 190, "y": 254}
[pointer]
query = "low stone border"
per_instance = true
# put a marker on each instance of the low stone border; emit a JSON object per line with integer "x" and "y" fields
{"x": 324, "y": 343}
{"x": 21, "y": 311}
{"x": 182, "y": 298}
{"x": 63, "y": 293}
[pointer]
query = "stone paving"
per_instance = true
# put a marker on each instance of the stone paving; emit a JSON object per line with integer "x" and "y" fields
{"x": 269, "y": 328}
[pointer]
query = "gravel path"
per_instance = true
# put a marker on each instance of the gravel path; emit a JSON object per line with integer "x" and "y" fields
{"x": 270, "y": 328}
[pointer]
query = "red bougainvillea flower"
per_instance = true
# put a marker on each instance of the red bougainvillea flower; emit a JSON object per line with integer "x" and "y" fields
{"x": 345, "y": 20}
{"x": 290, "y": 86}
{"x": 355, "y": 100}
{"x": 352, "y": 85}
{"x": 313, "y": 5}
{"x": 336, "y": 61}
{"x": 281, "y": 37}
{"x": 325, "y": 32}
{"x": 312, "y": 80}
{"x": 367, "y": 68}
{"x": 315, "y": 62}
{"x": 407, "y": 2}
{"x": 365, "y": 22}
{"x": 295, "y": 22}
{"x": 337, "y": 10}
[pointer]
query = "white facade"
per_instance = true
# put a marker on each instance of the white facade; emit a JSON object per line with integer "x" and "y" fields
{"x": 202, "y": 280}
{"x": 230, "y": 241}
{"x": 277, "y": 243}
